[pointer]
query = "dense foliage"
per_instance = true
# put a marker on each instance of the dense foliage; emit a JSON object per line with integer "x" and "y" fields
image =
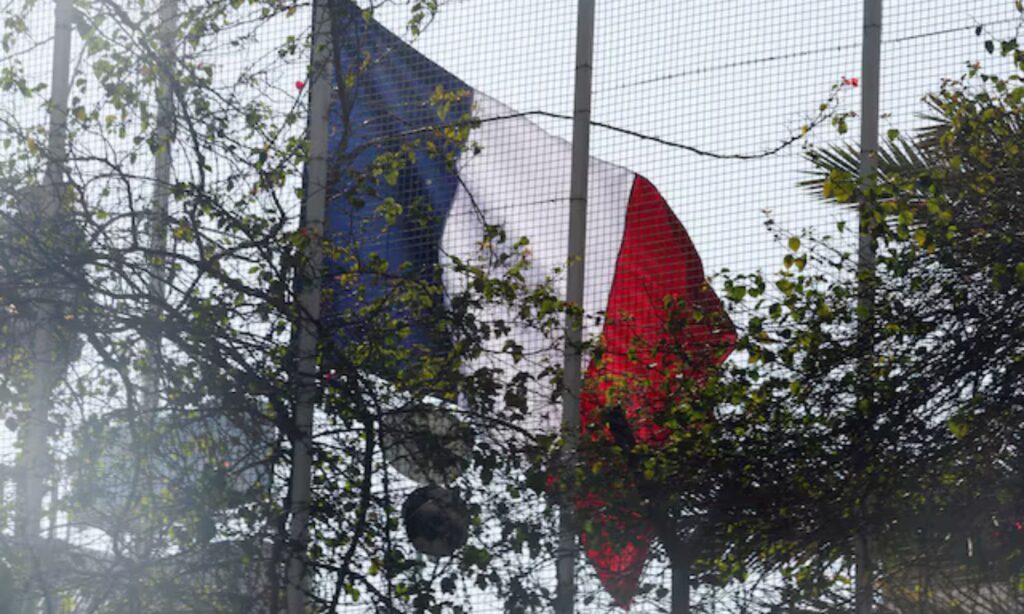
{"x": 871, "y": 418}
{"x": 169, "y": 334}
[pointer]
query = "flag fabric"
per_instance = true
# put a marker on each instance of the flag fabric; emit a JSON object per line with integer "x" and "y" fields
{"x": 664, "y": 328}
{"x": 640, "y": 264}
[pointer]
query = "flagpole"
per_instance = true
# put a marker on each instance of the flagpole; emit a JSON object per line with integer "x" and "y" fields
{"x": 565, "y": 597}
{"x": 307, "y": 336}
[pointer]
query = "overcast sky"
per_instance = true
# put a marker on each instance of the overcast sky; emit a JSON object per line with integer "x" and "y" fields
{"x": 727, "y": 77}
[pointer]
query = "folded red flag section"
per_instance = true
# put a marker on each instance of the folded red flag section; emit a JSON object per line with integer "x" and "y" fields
{"x": 664, "y": 328}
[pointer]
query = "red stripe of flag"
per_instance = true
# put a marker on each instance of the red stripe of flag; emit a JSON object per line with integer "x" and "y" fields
{"x": 642, "y": 356}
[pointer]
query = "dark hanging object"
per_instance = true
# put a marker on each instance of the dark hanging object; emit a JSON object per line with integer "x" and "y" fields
{"x": 436, "y": 520}
{"x": 427, "y": 443}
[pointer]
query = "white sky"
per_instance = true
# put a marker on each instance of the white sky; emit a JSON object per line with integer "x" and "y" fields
{"x": 729, "y": 77}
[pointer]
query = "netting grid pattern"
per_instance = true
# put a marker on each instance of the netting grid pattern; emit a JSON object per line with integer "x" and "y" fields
{"x": 712, "y": 104}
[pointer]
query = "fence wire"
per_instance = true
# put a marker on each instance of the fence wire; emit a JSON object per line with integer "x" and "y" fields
{"x": 703, "y": 114}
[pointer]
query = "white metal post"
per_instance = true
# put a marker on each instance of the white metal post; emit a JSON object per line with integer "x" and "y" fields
{"x": 870, "y": 82}
{"x": 573, "y": 376}
{"x": 163, "y": 162}
{"x": 309, "y": 311}
{"x": 35, "y": 471}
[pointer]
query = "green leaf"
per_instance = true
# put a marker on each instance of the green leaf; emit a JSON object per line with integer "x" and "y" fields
{"x": 959, "y": 429}
{"x": 478, "y": 557}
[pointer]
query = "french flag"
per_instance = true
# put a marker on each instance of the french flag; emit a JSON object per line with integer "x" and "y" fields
{"x": 436, "y": 205}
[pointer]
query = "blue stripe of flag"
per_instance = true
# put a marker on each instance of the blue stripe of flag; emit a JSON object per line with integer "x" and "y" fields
{"x": 382, "y": 105}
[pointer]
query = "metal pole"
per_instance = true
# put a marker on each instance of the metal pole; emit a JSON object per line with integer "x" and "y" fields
{"x": 866, "y": 260}
{"x": 680, "y": 586}
{"x": 572, "y": 383}
{"x": 309, "y": 311}
{"x": 36, "y": 468}
{"x": 165, "y": 131}
{"x": 35, "y": 471}
{"x": 871, "y": 67}
{"x": 143, "y": 430}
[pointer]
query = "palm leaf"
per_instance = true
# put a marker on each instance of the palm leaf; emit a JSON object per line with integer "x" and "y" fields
{"x": 897, "y": 157}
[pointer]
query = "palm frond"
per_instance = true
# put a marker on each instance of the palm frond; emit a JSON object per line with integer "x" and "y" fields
{"x": 901, "y": 156}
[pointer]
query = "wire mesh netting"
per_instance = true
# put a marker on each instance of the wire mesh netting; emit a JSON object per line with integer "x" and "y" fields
{"x": 23, "y": 120}
{"x": 449, "y": 165}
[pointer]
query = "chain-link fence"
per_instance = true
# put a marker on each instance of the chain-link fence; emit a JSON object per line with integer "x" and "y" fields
{"x": 449, "y": 141}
